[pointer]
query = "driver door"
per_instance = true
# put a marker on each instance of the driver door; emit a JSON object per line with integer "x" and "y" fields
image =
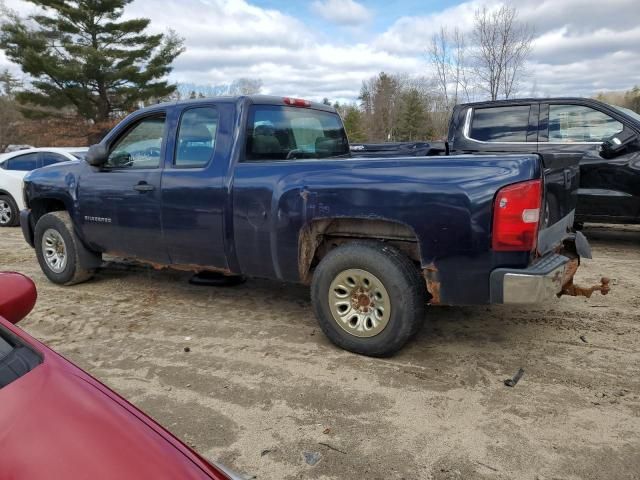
{"x": 120, "y": 202}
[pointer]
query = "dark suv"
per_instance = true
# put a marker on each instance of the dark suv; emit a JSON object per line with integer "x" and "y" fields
{"x": 604, "y": 137}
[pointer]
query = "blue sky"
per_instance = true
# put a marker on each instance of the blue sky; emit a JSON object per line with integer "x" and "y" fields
{"x": 326, "y": 48}
{"x": 384, "y": 12}
{"x": 383, "y": 15}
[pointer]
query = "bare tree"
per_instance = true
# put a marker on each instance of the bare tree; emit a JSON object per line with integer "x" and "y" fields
{"x": 447, "y": 54}
{"x": 245, "y": 86}
{"x": 461, "y": 76}
{"x": 503, "y": 45}
{"x": 439, "y": 56}
{"x": 380, "y": 102}
{"x": 241, "y": 86}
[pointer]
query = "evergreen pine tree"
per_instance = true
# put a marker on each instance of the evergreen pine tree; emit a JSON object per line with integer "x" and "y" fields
{"x": 354, "y": 124}
{"x": 413, "y": 117}
{"x": 81, "y": 54}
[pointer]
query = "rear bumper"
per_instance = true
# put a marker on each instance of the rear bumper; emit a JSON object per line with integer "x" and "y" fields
{"x": 538, "y": 283}
{"x": 27, "y": 228}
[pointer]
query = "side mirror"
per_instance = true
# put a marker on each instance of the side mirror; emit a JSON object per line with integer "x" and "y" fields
{"x": 97, "y": 155}
{"x": 17, "y": 296}
{"x": 616, "y": 144}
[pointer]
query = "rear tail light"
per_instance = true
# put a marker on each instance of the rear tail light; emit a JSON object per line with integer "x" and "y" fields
{"x": 296, "y": 102}
{"x": 516, "y": 215}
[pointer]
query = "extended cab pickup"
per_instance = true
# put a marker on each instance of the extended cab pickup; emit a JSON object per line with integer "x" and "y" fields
{"x": 266, "y": 187}
{"x": 603, "y": 138}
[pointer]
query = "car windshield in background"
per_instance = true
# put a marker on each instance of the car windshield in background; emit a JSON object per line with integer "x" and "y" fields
{"x": 628, "y": 112}
{"x": 80, "y": 155}
{"x": 289, "y": 133}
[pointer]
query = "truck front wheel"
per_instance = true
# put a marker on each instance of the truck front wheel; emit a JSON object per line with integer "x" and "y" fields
{"x": 368, "y": 298}
{"x": 61, "y": 255}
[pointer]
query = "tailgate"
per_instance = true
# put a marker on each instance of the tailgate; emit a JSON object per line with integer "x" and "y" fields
{"x": 561, "y": 182}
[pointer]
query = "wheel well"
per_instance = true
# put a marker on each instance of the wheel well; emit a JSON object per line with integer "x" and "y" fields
{"x": 43, "y": 206}
{"x": 321, "y": 236}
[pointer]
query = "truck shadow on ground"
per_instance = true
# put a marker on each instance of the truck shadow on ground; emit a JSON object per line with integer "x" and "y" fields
{"x": 475, "y": 329}
{"x": 613, "y": 234}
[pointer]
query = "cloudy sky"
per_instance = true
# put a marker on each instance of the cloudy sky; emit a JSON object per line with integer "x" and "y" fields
{"x": 325, "y": 48}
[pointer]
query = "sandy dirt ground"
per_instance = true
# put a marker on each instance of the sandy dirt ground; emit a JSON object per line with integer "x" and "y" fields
{"x": 261, "y": 385}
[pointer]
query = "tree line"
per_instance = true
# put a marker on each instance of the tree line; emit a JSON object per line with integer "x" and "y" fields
{"x": 490, "y": 65}
{"x": 629, "y": 99}
{"x": 87, "y": 66}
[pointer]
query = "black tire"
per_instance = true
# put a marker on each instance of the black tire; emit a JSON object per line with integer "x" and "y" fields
{"x": 551, "y": 211}
{"x": 405, "y": 287}
{"x": 215, "y": 279}
{"x": 7, "y": 201}
{"x": 80, "y": 263}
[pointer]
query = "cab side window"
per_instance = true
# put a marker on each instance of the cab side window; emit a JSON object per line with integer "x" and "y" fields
{"x": 500, "y": 124}
{"x": 576, "y": 124}
{"x": 141, "y": 146}
{"x": 24, "y": 163}
{"x": 51, "y": 158}
{"x": 196, "y": 137}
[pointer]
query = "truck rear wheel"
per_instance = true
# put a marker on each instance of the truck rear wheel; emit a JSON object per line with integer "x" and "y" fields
{"x": 368, "y": 298}
{"x": 9, "y": 215}
{"x": 61, "y": 255}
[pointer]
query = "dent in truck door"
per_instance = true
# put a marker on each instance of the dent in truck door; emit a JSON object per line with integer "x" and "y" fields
{"x": 273, "y": 195}
{"x": 193, "y": 191}
{"x": 120, "y": 202}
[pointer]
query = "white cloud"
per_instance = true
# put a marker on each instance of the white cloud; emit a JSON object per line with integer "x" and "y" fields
{"x": 413, "y": 34}
{"x": 342, "y": 12}
{"x": 578, "y": 49}
{"x": 222, "y": 23}
{"x": 241, "y": 40}
{"x": 581, "y": 46}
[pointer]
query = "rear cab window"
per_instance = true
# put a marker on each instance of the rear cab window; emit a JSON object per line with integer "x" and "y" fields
{"x": 499, "y": 124}
{"x": 276, "y": 132}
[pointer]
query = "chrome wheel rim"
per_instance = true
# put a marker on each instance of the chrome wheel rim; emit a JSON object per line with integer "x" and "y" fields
{"x": 359, "y": 303}
{"x": 5, "y": 212}
{"x": 54, "y": 250}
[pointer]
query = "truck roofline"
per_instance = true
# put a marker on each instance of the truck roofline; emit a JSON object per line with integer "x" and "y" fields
{"x": 612, "y": 110}
{"x": 512, "y": 101}
{"x": 251, "y": 99}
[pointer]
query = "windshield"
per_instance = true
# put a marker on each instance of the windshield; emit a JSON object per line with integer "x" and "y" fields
{"x": 628, "y": 112}
{"x": 288, "y": 133}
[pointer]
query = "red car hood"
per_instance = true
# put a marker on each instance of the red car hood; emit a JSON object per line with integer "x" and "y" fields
{"x": 58, "y": 422}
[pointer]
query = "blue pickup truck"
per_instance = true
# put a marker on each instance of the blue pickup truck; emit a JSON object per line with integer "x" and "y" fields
{"x": 266, "y": 187}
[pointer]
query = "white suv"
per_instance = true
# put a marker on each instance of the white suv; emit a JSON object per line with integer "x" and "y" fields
{"x": 13, "y": 168}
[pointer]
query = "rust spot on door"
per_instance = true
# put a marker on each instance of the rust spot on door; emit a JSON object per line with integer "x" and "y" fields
{"x": 432, "y": 278}
{"x": 173, "y": 266}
